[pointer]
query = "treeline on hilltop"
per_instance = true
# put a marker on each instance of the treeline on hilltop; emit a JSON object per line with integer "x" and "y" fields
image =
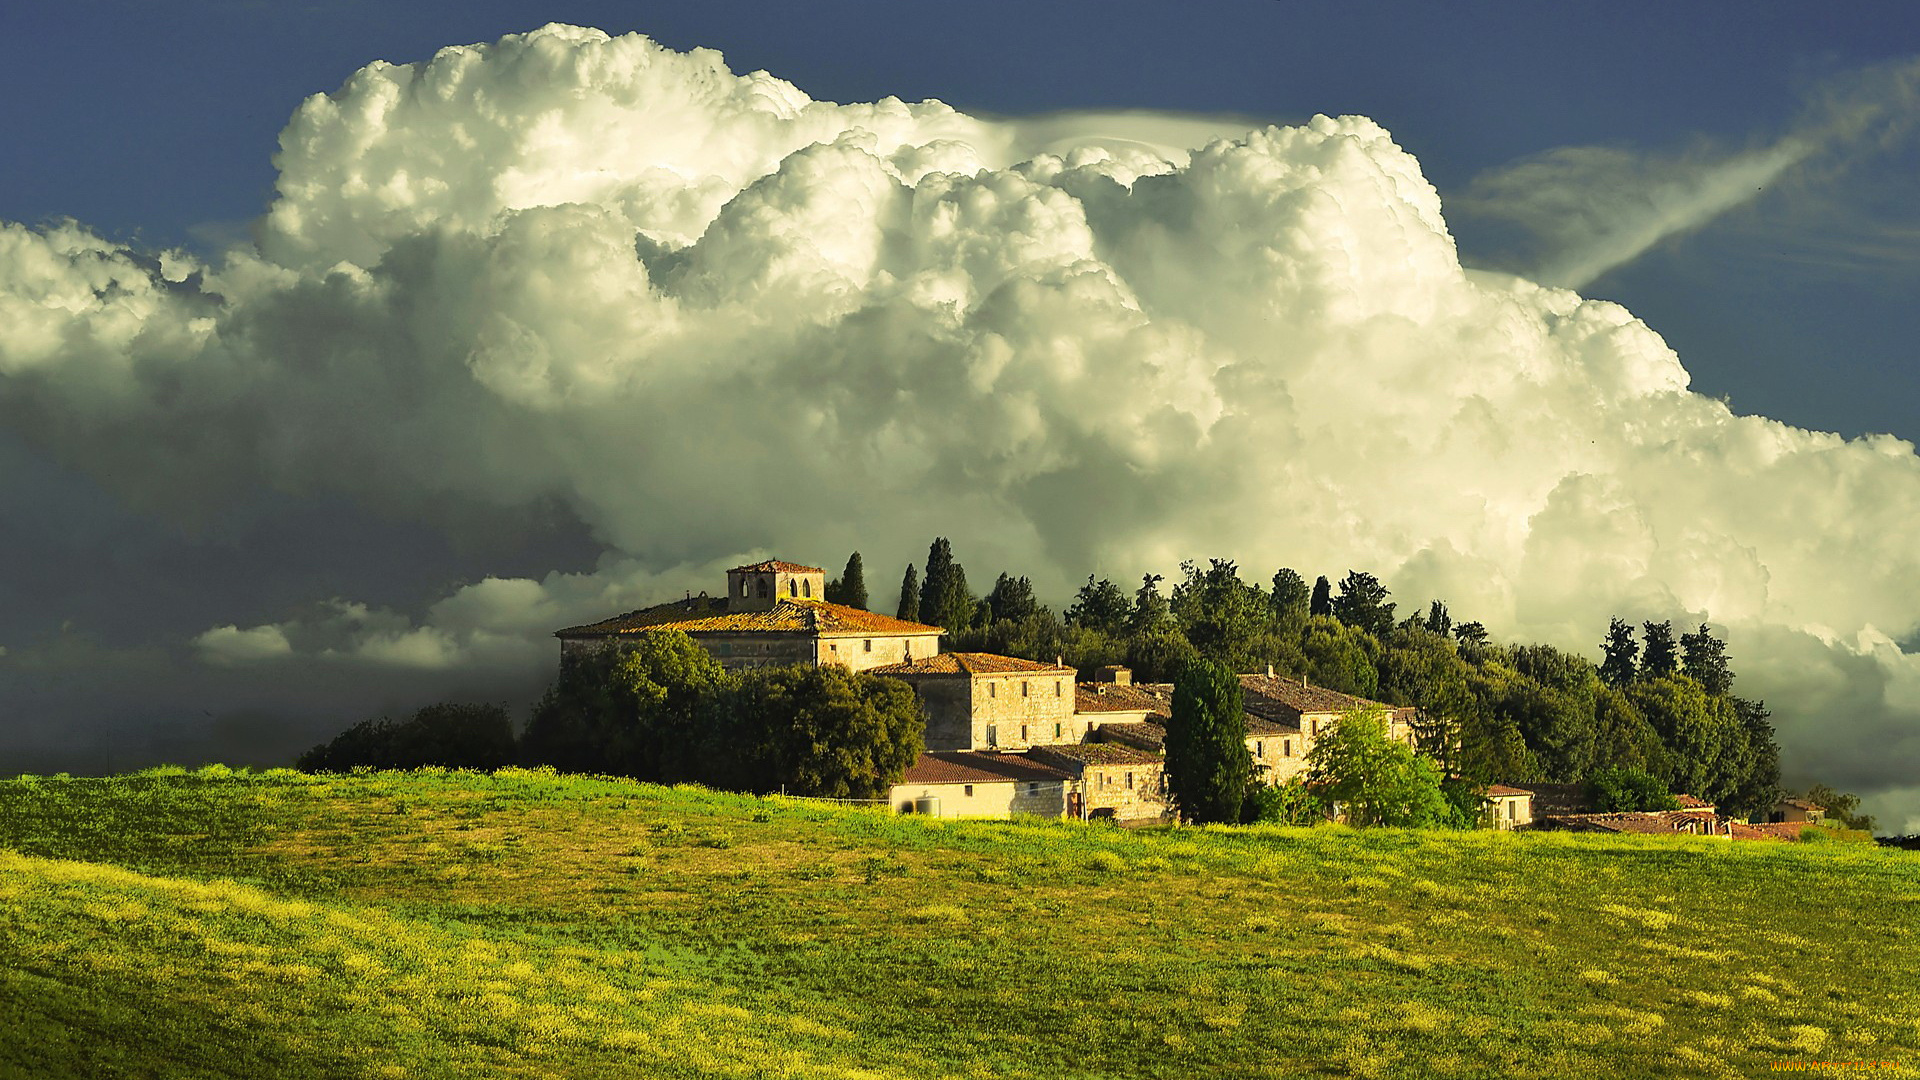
{"x": 660, "y": 708}
{"x": 1493, "y": 713}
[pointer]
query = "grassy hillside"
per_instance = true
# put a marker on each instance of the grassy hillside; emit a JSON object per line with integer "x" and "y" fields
{"x": 214, "y": 924}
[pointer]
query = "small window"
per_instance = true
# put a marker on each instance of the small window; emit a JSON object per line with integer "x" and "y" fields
{"x": 1259, "y": 748}
{"x": 1129, "y": 781}
{"x": 793, "y": 588}
{"x": 906, "y": 649}
{"x": 1023, "y": 733}
{"x": 867, "y": 645}
{"x": 806, "y": 589}
{"x": 993, "y": 735}
{"x": 762, "y": 583}
{"x": 1023, "y": 688}
{"x": 1056, "y": 731}
{"x": 993, "y": 689}
{"x": 1057, "y": 692}
{"x": 1033, "y": 788}
{"x": 1313, "y": 727}
{"x": 969, "y": 790}
{"x": 1286, "y": 747}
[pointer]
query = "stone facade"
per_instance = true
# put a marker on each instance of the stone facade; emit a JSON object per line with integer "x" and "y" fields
{"x": 1121, "y": 783}
{"x": 968, "y": 784}
{"x": 978, "y": 701}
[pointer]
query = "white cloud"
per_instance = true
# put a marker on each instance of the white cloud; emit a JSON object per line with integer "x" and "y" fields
{"x": 708, "y": 314}
{"x": 231, "y": 645}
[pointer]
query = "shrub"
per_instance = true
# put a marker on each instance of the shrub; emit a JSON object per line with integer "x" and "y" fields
{"x": 454, "y": 736}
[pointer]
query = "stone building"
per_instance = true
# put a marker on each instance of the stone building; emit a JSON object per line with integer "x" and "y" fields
{"x": 775, "y": 613}
{"x": 968, "y": 784}
{"x": 1510, "y": 807}
{"x": 1110, "y": 780}
{"x": 980, "y": 701}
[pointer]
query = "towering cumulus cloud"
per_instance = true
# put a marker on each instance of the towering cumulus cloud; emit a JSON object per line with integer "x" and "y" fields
{"x": 712, "y": 316}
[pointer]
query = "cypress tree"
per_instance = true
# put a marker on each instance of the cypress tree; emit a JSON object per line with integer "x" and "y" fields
{"x": 909, "y": 596}
{"x": 1289, "y": 599}
{"x": 1616, "y": 669}
{"x": 1208, "y": 767}
{"x": 1322, "y": 601}
{"x": 945, "y": 600}
{"x": 1704, "y": 658}
{"x": 1438, "y": 621}
{"x": 1658, "y": 658}
{"x": 851, "y": 587}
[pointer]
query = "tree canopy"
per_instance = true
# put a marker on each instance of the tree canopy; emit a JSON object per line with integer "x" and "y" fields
{"x": 449, "y": 735}
{"x": 1207, "y": 765}
{"x": 1375, "y": 780}
{"x": 850, "y": 588}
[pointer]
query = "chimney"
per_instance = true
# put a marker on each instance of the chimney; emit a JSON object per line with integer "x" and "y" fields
{"x": 1117, "y": 674}
{"x": 1269, "y": 671}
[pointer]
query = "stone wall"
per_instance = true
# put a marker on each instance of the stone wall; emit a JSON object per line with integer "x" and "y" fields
{"x": 861, "y": 653}
{"x": 1129, "y": 792}
{"x": 1013, "y": 712}
{"x": 997, "y": 799}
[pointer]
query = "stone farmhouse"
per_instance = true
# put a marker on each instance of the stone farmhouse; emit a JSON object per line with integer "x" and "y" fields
{"x": 1004, "y": 735}
{"x": 774, "y": 613}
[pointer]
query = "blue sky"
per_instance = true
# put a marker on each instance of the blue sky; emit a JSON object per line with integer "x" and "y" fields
{"x": 157, "y": 122}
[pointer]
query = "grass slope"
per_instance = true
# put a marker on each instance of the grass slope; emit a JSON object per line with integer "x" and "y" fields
{"x": 214, "y": 924}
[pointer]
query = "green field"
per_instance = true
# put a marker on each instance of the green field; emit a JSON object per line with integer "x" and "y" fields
{"x": 220, "y": 924}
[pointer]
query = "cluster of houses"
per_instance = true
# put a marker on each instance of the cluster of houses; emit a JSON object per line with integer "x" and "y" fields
{"x": 1008, "y": 736}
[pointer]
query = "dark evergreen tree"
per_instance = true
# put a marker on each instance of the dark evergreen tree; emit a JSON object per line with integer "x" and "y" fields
{"x": 945, "y": 600}
{"x": 1704, "y": 659}
{"x": 850, "y": 588}
{"x": 1755, "y": 792}
{"x": 1290, "y": 600}
{"x": 448, "y": 735}
{"x": 909, "y": 608}
{"x": 1321, "y": 603}
{"x": 1615, "y": 790}
{"x": 1207, "y": 761}
{"x": 1658, "y": 659}
{"x": 1099, "y": 605}
{"x": 1224, "y": 617}
{"x": 1437, "y": 620}
{"x": 1472, "y": 635}
{"x": 1619, "y": 652}
{"x": 1012, "y": 599}
{"x": 1149, "y": 607}
{"x": 643, "y": 708}
{"x": 1362, "y": 603}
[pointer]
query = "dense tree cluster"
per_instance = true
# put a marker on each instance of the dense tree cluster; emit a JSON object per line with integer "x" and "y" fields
{"x": 1657, "y": 703}
{"x": 661, "y": 708}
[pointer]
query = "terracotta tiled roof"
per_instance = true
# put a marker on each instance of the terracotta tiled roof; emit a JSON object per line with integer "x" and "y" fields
{"x": 1657, "y": 821}
{"x": 970, "y": 663}
{"x": 974, "y": 767}
{"x": 710, "y": 615}
{"x": 1689, "y": 802}
{"x": 776, "y": 566}
{"x": 1109, "y": 698}
{"x": 1292, "y": 696}
{"x": 1099, "y": 754}
{"x": 1802, "y": 804}
{"x": 1503, "y": 790}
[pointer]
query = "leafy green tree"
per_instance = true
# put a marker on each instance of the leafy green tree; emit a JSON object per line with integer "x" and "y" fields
{"x": 1340, "y": 657}
{"x": 945, "y": 600}
{"x": 1208, "y": 766}
{"x": 1696, "y": 728}
{"x": 1376, "y": 780}
{"x": 1363, "y": 603}
{"x": 909, "y": 608}
{"x": 827, "y": 732}
{"x": 1622, "y": 737}
{"x": 1321, "y": 602}
{"x": 1160, "y": 655}
{"x": 1612, "y": 789}
{"x": 643, "y": 708}
{"x": 1289, "y": 599}
{"x": 1012, "y": 598}
{"x": 1658, "y": 659}
{"x": 1291, "y": 803}
{"x": 1225, "y": 618}
{"x": 1758, "y": 790}
{"x": 448, "y": 735}
{"x": 1618, "y": 654}
{"x": 1492, "y": 750}
{"x": 1471, "y": 635}
{"x": 1704, "y": 660}
{"x": 850, "y": 588}
{"x": 1841, "y": 806}
{"x": 1100, "y": 606}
